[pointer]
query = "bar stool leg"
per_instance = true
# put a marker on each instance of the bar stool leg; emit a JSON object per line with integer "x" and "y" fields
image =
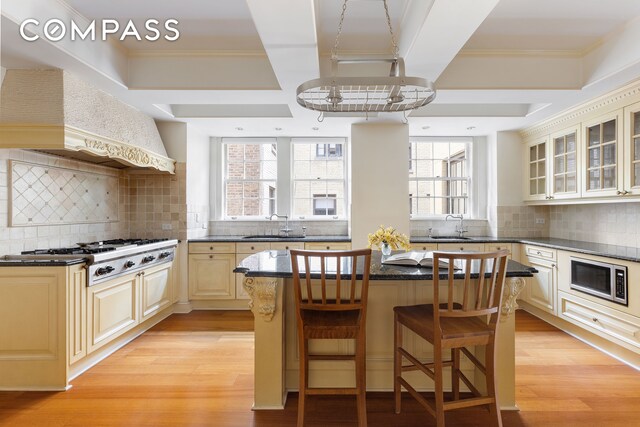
{"x": 439, "y": 390}
{"x": 397, "y": 363}
{"x": 302, "y": 387}
{"x": 455, "y": 373}
{"x": 494, "y": 409}
{"x": 361, "y": 380}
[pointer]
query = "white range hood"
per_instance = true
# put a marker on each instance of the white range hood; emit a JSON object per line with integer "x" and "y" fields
{"x": 54, "y": 112}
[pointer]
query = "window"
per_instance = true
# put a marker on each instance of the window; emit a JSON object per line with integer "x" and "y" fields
{"x": 324, "y": 204}
{"x": 329, "y": 150}
{"x": 250, "y": 179}
{"x": 439, "y": 177}
{"x": 318, "y": 179}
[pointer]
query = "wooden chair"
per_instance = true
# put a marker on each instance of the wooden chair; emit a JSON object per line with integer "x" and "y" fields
{"x": 332, "y": 305}
{"x": 467, "y": 315}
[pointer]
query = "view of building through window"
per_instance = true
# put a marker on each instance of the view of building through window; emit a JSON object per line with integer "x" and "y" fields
{"x": 439, "y": 178}
{"x": 319, "y": 184}
{"x": 250, "y": 179}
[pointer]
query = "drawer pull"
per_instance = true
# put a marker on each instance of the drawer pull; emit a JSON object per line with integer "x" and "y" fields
{"x": 595, "y": 319}
{"x": 538, "y": 252}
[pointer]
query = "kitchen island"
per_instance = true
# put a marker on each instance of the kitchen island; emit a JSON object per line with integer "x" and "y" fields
{"x": 268, "y": 282}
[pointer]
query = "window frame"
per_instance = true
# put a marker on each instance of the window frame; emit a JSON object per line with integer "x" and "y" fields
{"x": 284, "y": 182}
{"x": 345, "y": 180}
{"x": 472, "y": 197}
{"x": 267, "y": 142}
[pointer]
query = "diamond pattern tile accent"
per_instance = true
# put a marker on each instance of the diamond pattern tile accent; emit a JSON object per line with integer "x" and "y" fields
{"x": 45, "y": 195}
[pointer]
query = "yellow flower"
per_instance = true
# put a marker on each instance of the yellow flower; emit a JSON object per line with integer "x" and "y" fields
{"x": 389, "y": 236}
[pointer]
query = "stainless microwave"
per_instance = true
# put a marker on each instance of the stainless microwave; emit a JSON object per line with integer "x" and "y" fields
{"x": 601, "y": 279}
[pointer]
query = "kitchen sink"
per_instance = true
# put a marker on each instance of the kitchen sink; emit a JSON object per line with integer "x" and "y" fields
{"x": 273, "y": 236}
{"x": 450, "y": 237}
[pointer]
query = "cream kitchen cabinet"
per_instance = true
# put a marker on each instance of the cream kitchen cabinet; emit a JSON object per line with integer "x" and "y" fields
{"x": 211, "y": 274}
{"x": 541, "y": 289}
{"x": 424, "y": 246}
{"x": 535, "y": 165}
{"x": 112, "y": 309}
{"x": 327, "y": 246}
{"x": 155, "y": 290}
{"x": 564, "y": 156}
{"x": 631, "y": 183}
{"x": 77, "y": 313}
{"x": 603, "y": 156}
{"x": 491, "y": 247}
{"x": 463, "y": 246}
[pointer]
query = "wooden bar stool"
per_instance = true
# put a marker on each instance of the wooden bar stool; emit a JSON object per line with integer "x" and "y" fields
{"x": 332, "y": 305}
{"x": 468, "y": 317}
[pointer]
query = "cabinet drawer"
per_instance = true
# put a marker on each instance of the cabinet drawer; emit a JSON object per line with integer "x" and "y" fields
{"x": 252, "y": 248}
{"x": 285, "y": 246}
{"x": 491, "y": 247}
{"x": 327, "y": 246}
{"x": 604, "y": 321}
{"x": 477, "y": 247}
{"x": 212, "y": 248}
{"x": 538, "y": 252}
{"x": 424, "y": 246}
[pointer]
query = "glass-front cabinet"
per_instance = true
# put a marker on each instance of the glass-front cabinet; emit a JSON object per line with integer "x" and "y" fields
{"x": 564, "y": 164}
{"x": 603, "y": 159}
{"x": 632, "y": 150}
{"x": 536, "y": 167}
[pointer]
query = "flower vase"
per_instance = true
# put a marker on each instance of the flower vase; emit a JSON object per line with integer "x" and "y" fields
{"x": 385, "y": 248}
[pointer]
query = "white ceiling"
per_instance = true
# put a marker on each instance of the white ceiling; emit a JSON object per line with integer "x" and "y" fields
{"x": 497, "y": 64}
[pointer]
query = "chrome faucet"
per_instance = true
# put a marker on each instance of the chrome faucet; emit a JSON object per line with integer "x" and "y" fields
{"x": 286, "y": 230}
{"x": 460, "y": 229}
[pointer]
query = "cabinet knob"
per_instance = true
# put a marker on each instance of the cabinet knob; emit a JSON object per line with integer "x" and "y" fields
{"x": 619, "y": 193}
{"x": 538, "y": 252}
{"x": 625, "y": 192}
{"x": 210, "y": 248}
{"x": 211, "y": 256}
{"x": 595, "y": 319}
{"x": 252, "y": 248}
{"x": 328, "y": 247}
{"x": 286, "y": 247}
{"x": 553, "y": 266}
{"x": 498, "y": 247}
{"x": 462, "y": 248}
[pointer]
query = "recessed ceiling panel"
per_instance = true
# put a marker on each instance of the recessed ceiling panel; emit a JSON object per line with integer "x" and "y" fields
{"x": 472, "y": 110}
{"x": 231, "y": 110}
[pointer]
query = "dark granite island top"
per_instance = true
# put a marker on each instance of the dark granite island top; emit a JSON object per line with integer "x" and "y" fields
{"x": 278, "y": 264}
{"x": 267, "y": 281}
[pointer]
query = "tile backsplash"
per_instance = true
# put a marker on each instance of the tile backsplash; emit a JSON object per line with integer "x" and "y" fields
{"x": 50, "y": 234}
{"x": 609, "y": 223}
{"x": 314, "y": 228}
{"x": 522, "y": 221}
{"x": 48, "y": 195}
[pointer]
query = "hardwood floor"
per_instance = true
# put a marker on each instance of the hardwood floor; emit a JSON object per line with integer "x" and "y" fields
{"x": 196, "y": 370}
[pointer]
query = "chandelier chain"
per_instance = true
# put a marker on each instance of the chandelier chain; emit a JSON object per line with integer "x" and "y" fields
{"x": 334, "y": 52}
{"x": 393, "y": 37}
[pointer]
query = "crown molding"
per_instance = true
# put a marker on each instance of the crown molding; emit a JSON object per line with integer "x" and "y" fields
{"x": 570, "y": 116}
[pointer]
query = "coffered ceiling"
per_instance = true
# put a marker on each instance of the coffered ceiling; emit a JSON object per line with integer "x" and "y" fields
{"x": 497, "y": 64}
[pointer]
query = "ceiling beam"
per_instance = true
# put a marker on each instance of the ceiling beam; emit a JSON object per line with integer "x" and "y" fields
{"x": 445, "y": 30}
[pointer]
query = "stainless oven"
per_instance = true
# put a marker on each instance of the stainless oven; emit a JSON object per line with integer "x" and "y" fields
{"x": 601, "y": 279}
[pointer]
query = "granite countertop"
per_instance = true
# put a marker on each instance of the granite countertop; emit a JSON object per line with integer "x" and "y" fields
{"x": 278, "y": 264}
{"x": 627, "y": 253}
{"x": 271, "y": 238}
{"x": 4, "y": 262}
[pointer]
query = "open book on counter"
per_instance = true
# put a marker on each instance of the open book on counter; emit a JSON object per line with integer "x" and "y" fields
{"x": 415, "y": 259}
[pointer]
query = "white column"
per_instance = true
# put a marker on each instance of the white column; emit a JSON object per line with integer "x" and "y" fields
{"x": 379, "y": 182}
